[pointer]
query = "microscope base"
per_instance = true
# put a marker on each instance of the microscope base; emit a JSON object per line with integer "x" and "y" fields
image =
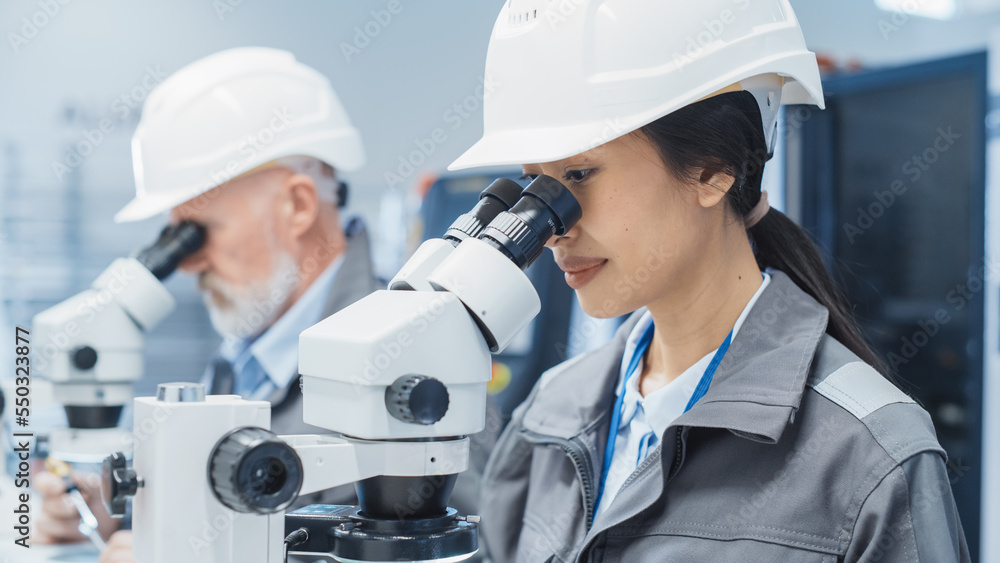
{"x": 348, "y": 535}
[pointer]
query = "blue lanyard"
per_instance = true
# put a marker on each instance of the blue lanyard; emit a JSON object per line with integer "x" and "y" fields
{"x": 616, "y": 416}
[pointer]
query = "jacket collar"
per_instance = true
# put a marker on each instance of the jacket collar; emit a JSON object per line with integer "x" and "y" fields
{"x": 755, "y": 392}
{"x": 356, "y": 277}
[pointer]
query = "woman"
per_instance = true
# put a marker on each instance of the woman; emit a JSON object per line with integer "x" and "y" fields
{"x": 738, "y": 415}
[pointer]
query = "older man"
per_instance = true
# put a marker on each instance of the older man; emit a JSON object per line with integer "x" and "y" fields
{"x": 248, "y": 143}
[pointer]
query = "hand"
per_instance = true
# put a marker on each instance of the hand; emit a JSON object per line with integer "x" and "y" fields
{"x": 58, "y": 518}
{"x": 119, "y": 548}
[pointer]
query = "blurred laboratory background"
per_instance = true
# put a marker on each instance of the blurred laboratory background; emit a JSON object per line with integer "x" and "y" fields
{"x": 894, "y": 179}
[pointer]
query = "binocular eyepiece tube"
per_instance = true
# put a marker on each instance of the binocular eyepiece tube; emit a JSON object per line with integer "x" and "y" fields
{"x": 176, "y": 242}
{"x": 546, "y": 209}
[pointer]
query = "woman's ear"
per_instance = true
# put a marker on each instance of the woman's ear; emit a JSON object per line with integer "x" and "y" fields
{"x": 712, "y": 187}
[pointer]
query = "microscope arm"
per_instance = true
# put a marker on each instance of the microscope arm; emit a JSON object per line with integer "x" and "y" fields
{"x": 329, "y": 461}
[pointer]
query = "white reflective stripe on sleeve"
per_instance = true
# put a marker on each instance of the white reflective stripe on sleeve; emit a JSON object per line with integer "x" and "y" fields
{"x": 860, "y": 389}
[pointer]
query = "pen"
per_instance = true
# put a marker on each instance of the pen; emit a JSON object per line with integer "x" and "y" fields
{"x": 88, "y": 522}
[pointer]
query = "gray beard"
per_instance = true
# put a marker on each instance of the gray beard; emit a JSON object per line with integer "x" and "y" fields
{"x": 254, "y": 307}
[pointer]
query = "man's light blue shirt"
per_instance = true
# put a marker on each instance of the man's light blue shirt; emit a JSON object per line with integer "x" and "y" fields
{"x": 269, "y": 362}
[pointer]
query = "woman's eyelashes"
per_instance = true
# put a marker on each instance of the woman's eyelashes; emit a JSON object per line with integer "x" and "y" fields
{"x": 571, "y": 176}
{"x": 577, "y": 176}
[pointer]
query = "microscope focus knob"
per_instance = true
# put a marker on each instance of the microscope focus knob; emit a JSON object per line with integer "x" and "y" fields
{"x": 417, "y": 399}
{"x": 84, "y": 357}
{"x": 253, "y": 471}
{"x": 118, "y": 482}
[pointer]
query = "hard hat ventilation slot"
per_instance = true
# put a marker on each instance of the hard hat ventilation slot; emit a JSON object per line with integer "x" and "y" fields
{"x": 525, "y": 12}
{"x": 525, "y": 17}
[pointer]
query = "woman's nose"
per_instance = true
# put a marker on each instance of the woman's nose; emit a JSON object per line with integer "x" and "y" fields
{"x": 556, "y": 240}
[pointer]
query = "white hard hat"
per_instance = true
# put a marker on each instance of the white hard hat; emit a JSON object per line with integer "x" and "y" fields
{"x": 229, "y": 113}
{"x": 572, "y": 75}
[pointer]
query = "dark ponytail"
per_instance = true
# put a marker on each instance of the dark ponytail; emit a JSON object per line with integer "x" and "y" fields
{"x": 724, "y": 134}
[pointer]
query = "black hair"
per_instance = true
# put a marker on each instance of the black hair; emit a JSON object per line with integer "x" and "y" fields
{"x": 725, "y": 134}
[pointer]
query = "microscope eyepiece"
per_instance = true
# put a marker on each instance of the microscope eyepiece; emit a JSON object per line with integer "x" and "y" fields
{"x": 176, "y": 243}
{"x": 546, "y": 209}
{"x": 498, "y": 197}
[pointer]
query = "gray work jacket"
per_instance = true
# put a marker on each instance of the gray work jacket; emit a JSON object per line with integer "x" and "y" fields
{"x": 798, "y": 452}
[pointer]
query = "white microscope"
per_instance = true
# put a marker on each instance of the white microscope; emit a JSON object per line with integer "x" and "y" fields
{"x": 90, "y": 346}
{"x": 399, "y": 378}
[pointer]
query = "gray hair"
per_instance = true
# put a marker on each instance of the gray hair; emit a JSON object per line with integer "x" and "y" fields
{"x": 322, "y": 174}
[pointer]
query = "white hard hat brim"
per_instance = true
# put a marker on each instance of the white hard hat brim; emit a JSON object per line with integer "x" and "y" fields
{"x": 539, "y": 145}
{"x": 152, "y": 205}
{"x": 339, "y": 152}
{"x": 529, "y": 146}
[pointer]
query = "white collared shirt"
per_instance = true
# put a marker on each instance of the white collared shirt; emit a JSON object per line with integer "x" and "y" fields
{"x": 644, "y": 419}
